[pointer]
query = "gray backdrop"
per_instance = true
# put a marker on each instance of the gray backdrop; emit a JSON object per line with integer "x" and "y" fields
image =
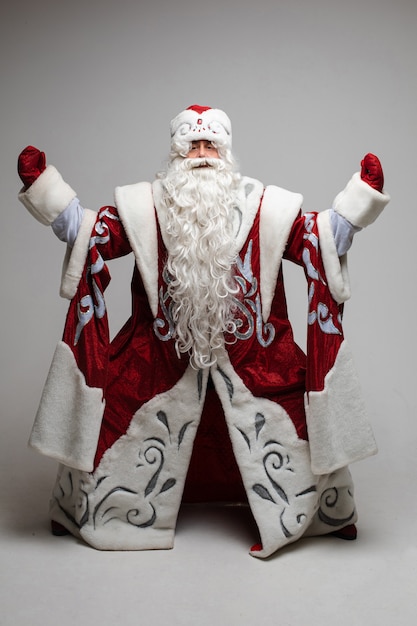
{"x": 310, "y": 86}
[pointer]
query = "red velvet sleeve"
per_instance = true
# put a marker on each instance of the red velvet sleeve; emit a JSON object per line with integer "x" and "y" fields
{"x": 325, "y": 332}
{"x": 109, "y": 235}
{"x": 86, "y": 330}
{"x": 297, "y": 239}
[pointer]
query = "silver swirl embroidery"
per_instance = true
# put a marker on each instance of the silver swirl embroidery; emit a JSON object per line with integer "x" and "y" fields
{"x": 251, "y": 306}
{"x": 321, "y": 315}
{"x": 139, "y": 498}
{"x": 91, "y": 309}
{"x": 86, "y": 308}
{"x": 281, "y": 466}
{"x": 166, "y": 322}
{"x": 250, "y": 310}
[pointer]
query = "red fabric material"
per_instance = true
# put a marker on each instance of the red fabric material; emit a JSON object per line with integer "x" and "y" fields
{"x": 213, "y": 474}
{"x": 30, "y": 165}
{"x": 86, "y": 329}
{"x": 324, "y": 329}
{"x": 197, "y": 108}
{"x": 140, "y": 367}
{"x": 117, "y": 367}
{"x": 137, "y": 365}
{"x": 275, "y": 372}
{"x": 280, "y": 371}
{"x": 371, "y": 171}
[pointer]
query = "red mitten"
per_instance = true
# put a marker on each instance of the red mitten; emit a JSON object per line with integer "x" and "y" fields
{"x": 371, "y": 171}
{"x": 30, "y": 165}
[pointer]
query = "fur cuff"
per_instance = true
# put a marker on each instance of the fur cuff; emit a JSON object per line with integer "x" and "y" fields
{"x": 48, "y": 196}
{"x": 359, "y": 203}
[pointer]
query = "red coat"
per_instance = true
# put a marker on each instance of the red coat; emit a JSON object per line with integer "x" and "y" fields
{"x": 122, "y": 416}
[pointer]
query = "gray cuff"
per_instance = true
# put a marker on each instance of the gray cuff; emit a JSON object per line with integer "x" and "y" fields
{"x": 67, "y": 224}
{"x": 343, "y": 232}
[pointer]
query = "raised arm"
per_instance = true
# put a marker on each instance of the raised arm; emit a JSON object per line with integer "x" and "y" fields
{"x": 363, "y": 198}
{"x": 45, "y": 194}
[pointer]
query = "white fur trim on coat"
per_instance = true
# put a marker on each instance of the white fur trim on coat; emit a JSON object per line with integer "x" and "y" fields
{"x": 131, "y": 501}
{"x": 335, "y": 267}
{"x": 279, "y": 210}
{"x": 68, "y": 420}
{"x": 247, "y": 204}
{"x": 359, "y": 203}
{"x": 135, "y": 205}
{"x": 75, "y": 257}
{"x": 338, "y": 429}
{"x": 48, "y": 196}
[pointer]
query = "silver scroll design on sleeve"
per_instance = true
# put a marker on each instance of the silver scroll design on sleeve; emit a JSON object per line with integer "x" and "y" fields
{"x": 320, "y": 312}
{"x": 87, "y": 307}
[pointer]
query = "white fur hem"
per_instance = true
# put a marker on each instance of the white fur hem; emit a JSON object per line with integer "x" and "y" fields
{"x": 335, "y": 267}
{"x": 131, "y": 501}
{"x": 359, "y": 203}
{"x": 125, "y": 537}
{"x": 338, "y": 429}
{"x": 48, "y": 196}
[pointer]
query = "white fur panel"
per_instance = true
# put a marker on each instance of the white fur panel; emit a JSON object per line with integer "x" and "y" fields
{"x": 270, "y": 456}
{"x": 157, "y": 192}
{"x": 335, "y": 267}
{"x": 279, "y": 209}
{"x": 248, "y": 200}
{"x": 48, "y": 196}
{"x": 338, "y": 429}
{"x": 68, "y": 420}
{"x": 150, "y": 463}
{"x": 136, "y": 209}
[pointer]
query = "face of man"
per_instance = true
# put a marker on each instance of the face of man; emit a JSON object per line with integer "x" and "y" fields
{"x": 202, "y": 149}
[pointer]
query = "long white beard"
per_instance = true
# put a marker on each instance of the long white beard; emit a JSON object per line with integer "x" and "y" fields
{"x": 199, "y": 203}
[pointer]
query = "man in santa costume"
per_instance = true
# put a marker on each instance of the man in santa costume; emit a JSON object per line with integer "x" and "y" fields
{"x": 203, "y": 395}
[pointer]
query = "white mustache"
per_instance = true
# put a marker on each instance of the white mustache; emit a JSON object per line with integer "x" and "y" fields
{"x": 191, "y": 164}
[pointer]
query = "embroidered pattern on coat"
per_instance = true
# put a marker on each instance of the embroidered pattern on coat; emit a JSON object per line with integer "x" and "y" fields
{"x": 88, "y": 306}
{"x": 317, "y": 311}
{"x": 137, "y": 499}
{"x": 248, "y": 316}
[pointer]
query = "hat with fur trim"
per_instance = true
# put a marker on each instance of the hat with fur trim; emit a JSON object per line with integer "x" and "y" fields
{"x": 198, "y": 122}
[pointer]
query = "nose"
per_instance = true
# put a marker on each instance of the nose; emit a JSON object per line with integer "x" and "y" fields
{"x": 202, "y": 151}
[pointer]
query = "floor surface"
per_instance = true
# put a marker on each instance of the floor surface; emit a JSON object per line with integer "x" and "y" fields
{"x": 209, "y": 577}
